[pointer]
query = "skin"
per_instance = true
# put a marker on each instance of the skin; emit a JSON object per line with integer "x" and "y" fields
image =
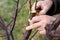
{"x": 44, "y": 5}
{"x": 40, "y": 22}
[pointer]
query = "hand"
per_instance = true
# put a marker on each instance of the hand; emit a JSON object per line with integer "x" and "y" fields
{"x": 40, "y": 22}
{"x": 44, "y": 5}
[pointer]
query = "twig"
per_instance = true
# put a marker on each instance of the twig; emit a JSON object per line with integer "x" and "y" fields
{"x": 2, "y": 24}
{"x": 8, "y": 32}
{"x": 15, "y": 15}
{"x": 33, "y": 35}
{"x": 22, "y": 6}
{"x": 10, "y": 25}
{"x": 4, "y": 27}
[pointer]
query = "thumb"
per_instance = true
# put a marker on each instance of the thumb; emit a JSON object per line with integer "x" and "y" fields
{"x": 42, "y": 12}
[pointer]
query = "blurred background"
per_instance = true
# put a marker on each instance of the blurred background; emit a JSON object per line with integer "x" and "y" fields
{"x": 7, "y": 8}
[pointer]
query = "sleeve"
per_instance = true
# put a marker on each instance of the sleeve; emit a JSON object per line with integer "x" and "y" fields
{"x": 52, "y": 11}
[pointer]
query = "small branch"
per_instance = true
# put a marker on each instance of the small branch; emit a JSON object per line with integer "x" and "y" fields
{"x": 15, "y": 16}
{"x": 7, "y": 32}
{"x": 26, "y": 35}
{"x": 2, "y": 24}
{"x": 22, "y": 6}
{"x": 10, "y": 25}
{"x": 28, "y": 32}
{"x": 33, "y": 35}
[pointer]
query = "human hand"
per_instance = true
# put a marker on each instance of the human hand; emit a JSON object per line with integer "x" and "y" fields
{"x": 40, "y": 22}
{"x": 42, "y": 6}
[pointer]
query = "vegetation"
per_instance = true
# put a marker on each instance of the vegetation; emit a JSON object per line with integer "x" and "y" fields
{"x": 7, "y": 11}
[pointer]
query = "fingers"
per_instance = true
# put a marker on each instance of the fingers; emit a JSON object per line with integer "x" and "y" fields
{"x": 36, "y": 19}
{"x": 42, "y": 26}
{"x": 35, "y": 25}
{"x": 37, "y": 6}
{"x": 43, "y": 11}
{"x": 43, "y": 18}
{"x": 42, "y": 32}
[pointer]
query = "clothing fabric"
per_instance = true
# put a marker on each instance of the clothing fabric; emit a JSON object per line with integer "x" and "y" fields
{"x": 54, "y": 8}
